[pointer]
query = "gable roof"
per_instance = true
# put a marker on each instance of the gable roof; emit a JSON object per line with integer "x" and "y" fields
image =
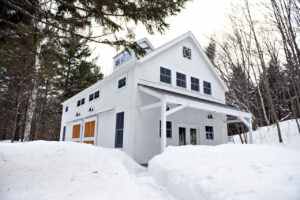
{"x": 176, "y": 41}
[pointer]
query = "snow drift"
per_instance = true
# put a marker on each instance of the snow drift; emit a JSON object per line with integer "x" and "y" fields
{"x": 268, "y": 135}
{"x": 66, "y": 170}
{"x": 238, "y": 172}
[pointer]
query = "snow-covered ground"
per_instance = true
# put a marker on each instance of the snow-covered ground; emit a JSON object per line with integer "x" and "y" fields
{"x": 55, "y": 170}
{"x": 229, "y": 172}
{"x": 268, "y": 135}
{"x": 65, "y": 170}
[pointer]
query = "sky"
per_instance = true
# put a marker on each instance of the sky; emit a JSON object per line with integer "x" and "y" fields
{"x": 201, "y": 17}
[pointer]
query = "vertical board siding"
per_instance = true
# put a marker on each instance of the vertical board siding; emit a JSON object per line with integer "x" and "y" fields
{"x": 76, "y": 131}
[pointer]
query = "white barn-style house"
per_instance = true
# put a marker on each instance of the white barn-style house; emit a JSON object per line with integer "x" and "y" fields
{"x": 171, "y": 96}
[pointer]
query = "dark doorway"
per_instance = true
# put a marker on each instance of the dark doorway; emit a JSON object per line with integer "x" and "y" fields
{"x": 182, "y": 134}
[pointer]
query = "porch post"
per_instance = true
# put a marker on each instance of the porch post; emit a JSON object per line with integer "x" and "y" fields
{"x": 163, "y": 122}
{"x": 250, "y": 131}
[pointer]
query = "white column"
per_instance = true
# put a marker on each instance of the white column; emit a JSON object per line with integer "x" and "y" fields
{"x": 163, "y": 118}
{"x": 250, "y": 131}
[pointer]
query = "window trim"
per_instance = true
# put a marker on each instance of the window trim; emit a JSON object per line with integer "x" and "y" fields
{"x": 186, "y": 56}
{"x": 205, "y": 87}
{"x": 192, "y": 84}
{"x": 185, "y": 85}
{"x": 93, "y": 93}
{"x": 121, "y": 77}
{"x": 159, "y": 128}
{"x": 116, "y": 118}
{"x": 213, "y": 132}
{"x": 160, "y": 74}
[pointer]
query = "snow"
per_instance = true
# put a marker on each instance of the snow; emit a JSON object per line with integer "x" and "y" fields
{"x": 229, "y": 172}
{"x": 66, "y": 170}
{"x": 268, "y": 135}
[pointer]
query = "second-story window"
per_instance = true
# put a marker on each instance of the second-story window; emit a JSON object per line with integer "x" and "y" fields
{"x": 187, "y": 53}
{"x": 181, "y": 80}
{"x": 195, "y": 84}
{"x": 80, "y": 102}
{"x": 207, "y": 87}
{"x": 165, "y": 75}
{"x": 121, "y": 82}
{"x": 94, "y": 95}
{"x": 67, "y": 108}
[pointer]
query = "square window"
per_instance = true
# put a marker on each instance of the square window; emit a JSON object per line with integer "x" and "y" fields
{"x": 207, "y": 87}
{"x": 78, "y": 103}
{"x": 82, "y": 101}
{"x": 187, "y": 53}
{"x": 195, "y": 84}
{"x": 96, "y": 95}
{"x": 91, "y": 97}
{"x": 181, "y": 80}
{"x": 165, "y": 75}
{"x": 122, "y": 82}
{"x": 209, "y": 132}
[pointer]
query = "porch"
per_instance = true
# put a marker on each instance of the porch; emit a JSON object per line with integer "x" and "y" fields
{"x": 171, "y": 102}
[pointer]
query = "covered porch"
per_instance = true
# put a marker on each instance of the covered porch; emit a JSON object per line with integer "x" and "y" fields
{"x": 171, "y": 102}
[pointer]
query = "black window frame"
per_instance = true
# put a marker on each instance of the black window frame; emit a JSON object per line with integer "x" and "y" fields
{"x": 209, "y": 133}
{"x": 78, "y": 103}
{"x": 97, "y": 94}
{"x": 207, "y": 87}
{"x": 119, "y": 132}
{"x": 168, "y": 128}
{"x": 187, "y": 53}
{"x": 67, "y": 109}
{"x": 165, "y": 75}
{"x": 120, "y": 81}
{"x": 181, "y": 80}
{"x": 82, "y": 101}
{"x": 91, "y": 97}
{"x": 195, "y": 84}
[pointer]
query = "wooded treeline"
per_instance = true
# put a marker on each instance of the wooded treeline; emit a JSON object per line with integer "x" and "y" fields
{"x": 259, "y": 59}
{"x": 45, "y": 57}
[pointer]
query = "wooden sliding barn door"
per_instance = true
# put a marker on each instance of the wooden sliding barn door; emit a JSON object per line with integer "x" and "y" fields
{"x": 89, "y": 132}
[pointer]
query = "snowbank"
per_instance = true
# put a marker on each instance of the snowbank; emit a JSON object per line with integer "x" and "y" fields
{"x": 224, "y": 172}
{"x": 66, "y": 170}
{"x": 268, "y": 135}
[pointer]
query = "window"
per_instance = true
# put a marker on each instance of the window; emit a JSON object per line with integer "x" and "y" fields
{"x": 122, "y": 82}
{"x": 169, "y": 129}
{"x": 94, "y": 95}
{"x": 119, "y": 130}
{"x": 64, "y": 134}
{"x": 195, "y": 84}
{"x": 207, "y": 87}
{"x": 78, "y": 103}
{"x": 181, "y": 80}
{"x": 209, "y": 131}
{"x": 187, "y": 53}
{"x": 82, "y": 101}
{"x": 123, "y": 58}
{"x": 165, "y": 75}
{"x": 91, "y": 98}
{"x": 67, "y": 108}
{"x": 97, "y": 94}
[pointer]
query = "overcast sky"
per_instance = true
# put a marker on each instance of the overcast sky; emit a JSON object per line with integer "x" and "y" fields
{"x": 201, "y": 17}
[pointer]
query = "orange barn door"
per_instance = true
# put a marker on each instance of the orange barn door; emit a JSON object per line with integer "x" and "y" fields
{"x": 76, "y": 131}
{"x": 89, "y": 131}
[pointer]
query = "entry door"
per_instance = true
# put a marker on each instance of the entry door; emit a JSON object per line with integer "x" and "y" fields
{"x": 193, "y": 136}
{"x": 182, "y": 136}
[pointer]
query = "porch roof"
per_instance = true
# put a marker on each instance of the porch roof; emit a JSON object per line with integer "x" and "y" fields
{"x": 195, "y": 102}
